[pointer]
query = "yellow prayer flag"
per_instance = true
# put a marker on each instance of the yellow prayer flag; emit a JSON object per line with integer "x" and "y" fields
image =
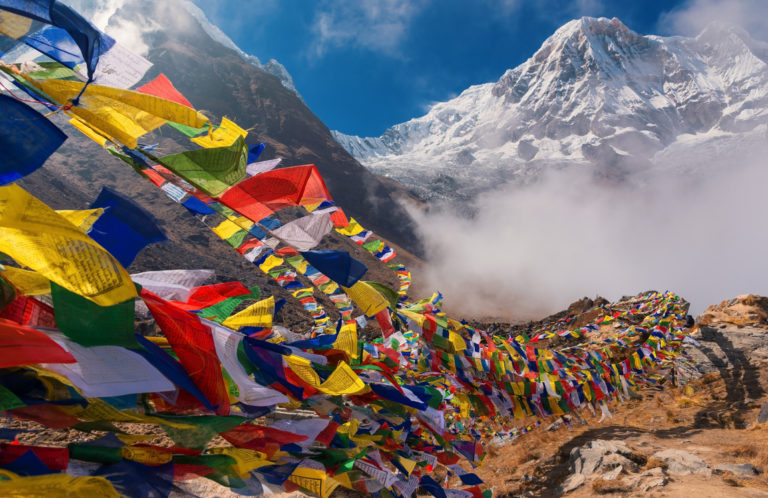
{"x": 301, "y": 266}
{"x": 35, "y": 236}
{"x": 303, "y": 368}
{"x": 344, "y": 480}
{"x": 329, "y": 288}
{"x": 407, "y": 464}
{"x": 346, "y": 340}
{"x": 458, "y": 342}
{"x": 509, "y": 349}
{"x": 226, "y": 229}
{"x": 247, "y": 460}
{"x": 89, "y": 132}
{"x": 464, "y": 405}
{"x": 26, "y": 283}
{"x": 121, "y": 115}
{"x": 231, "y": 226}
{"x": 315, "y": 481}
{"x": 82, "y": 218}
{"x": 349, "y": 428}
{"x": 352, "y": 229}
{"x": 517, "y": 409}
{"x": 223, "y": 136}
{"x": 272, "y": 261}
{"x": 146, "y": 455}
{"x": 343, "y": 380}
{"x": 416, "y": 317}
{"x": 48, "y": 485}
{"x": 302, "y": 291}
{"x": 369, "y": 300}
{"x": 256, "y": 315}
{"x": 99, "y": 409}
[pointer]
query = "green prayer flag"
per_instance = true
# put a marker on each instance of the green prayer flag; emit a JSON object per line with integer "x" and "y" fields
{"x": 8, "y": 400}
{"x": 212, "y": 170}
{"x": 391, "y": 295}
{"x": 89, "y": 324}
{"x": 204, "y": 428}
{"x": 188, "y": 130}
{"x": 373, "y": 246}
{"x": 222, "y": 310}
{"x": 138, "y": 168}
{"x": 237, "y": 239}
{"x": 7, "y": 293}
{"x": 90, "y": 453}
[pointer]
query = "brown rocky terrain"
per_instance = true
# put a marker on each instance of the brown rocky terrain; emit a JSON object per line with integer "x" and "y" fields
{"x": 704, "y": 437}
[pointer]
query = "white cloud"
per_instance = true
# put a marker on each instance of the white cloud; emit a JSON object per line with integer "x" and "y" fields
{"x": 376, "y": 25}
{"x": 530, "y": 251}
{"x": 695, "y": 15}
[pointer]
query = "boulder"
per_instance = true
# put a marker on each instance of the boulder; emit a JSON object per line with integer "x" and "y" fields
{"x": 647, "y": 480}
{"x": 739, "y": 469}
{"x": 613, "y": 474}
{"x": 600, "y": 456}
{"x": 573, "y": 482}
{"x": 680, "y": 463}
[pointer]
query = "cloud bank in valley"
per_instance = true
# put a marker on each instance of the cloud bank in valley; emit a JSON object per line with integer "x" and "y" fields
{"x": 529, "y": 251}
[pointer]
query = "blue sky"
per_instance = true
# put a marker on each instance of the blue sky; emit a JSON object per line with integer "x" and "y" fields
{"x": 365, "y": 65}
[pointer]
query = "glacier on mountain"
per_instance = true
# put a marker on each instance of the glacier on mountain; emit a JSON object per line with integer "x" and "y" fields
{"x": 595, "y": 94}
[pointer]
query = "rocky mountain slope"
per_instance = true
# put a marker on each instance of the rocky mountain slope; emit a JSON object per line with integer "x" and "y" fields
{"x": 596, "y": 93}
{"x": 220, "y": 80}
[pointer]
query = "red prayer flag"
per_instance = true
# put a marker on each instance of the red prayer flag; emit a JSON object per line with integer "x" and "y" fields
{"x": 261, "y": 195}
{"x": 260, "y": 438}
{"x": 339, "y": 219}
{"x": 192, "y": 342}
{"x": 48, "y": 415}
{"x": 29, "y": 311}
{"x": 20, "y": 345}
{"x": 385, "y": 322}
{"x": 208, "y": 295}
{"x": 188, "y": 471}
{"x": 56, "y": 459}
{"x": 163, "y": 88}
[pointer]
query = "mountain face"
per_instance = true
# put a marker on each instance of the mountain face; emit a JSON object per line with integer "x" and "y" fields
{"x": 595, "y": 93}
{"x": 220, "y": 80}
{"x": 133, "y": 30}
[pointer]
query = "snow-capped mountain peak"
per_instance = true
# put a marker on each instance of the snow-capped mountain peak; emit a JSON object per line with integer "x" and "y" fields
{"x": 597, "y": 93}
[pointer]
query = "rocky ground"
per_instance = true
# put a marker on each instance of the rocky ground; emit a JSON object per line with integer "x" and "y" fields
{"x": 705, "y": 437}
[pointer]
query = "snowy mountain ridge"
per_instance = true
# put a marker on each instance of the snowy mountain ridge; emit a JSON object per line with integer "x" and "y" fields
{"x": 133, "y": 32}
{"x": 594, "y": 93}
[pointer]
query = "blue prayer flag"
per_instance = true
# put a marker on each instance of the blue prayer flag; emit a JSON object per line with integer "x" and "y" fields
{"x": 125, "y": 228}
{"x": 27, "y": 139}
{"x": 339, "y": 266}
